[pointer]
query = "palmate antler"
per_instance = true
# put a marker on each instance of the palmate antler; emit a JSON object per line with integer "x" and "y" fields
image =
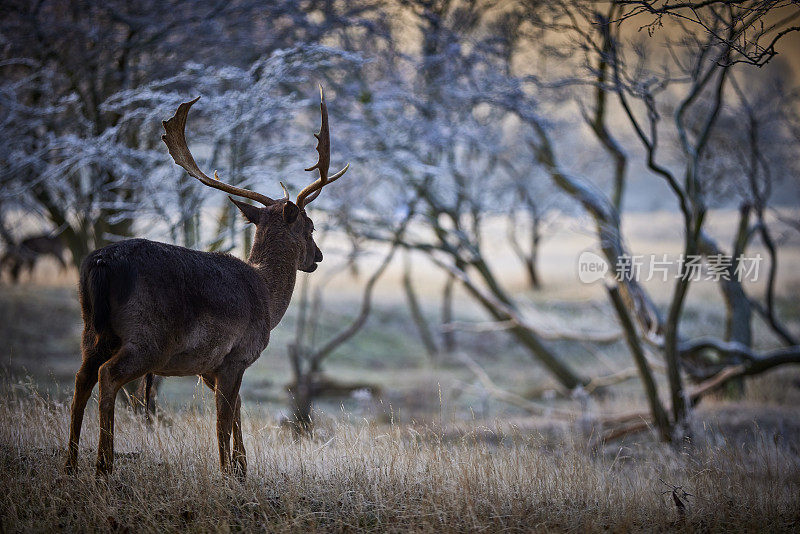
{"x": 175, "y": 140}
{"x": 310, "y": 192}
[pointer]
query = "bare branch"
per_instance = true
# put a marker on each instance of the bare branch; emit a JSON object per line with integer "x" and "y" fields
{"x": 550, "y": 334}
{"x": 366, "y": 299}
{"x": 511, "y": 398}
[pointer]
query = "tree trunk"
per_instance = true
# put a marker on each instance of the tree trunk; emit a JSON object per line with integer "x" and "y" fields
{"x": 416, "y": 313}
{"x": 78, "y": 245}
{"x": 738, "y": 310}
{"x": 448, "y": 336}
{"x": 301, "y": 395}
{"x": 531, "y": 263}
{"x": 223, "y": 223}
{"x": 657, "y": 410}
{"x": 693, "y": 224}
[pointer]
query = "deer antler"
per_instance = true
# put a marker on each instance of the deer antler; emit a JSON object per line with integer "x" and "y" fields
{"x": 324, "y": 149}
{"x": 175, "y": 139}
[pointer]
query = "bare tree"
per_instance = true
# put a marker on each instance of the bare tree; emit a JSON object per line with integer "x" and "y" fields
{"x": 603, "y": 72}
{"x": 309, "y": 382}
{"x": 751, "y": 32}
{"x": 73, "y": 154}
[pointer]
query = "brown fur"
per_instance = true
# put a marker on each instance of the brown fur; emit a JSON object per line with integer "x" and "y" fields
{"x": 155, "y": 308}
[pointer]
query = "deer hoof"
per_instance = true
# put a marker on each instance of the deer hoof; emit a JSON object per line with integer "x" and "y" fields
{"x": 104, "y": 468}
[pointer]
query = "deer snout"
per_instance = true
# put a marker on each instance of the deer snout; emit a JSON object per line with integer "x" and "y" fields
{"x": 317, "y": 258}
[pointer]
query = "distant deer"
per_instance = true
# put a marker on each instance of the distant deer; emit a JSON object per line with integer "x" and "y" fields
{"x": 26, "y": 253}
{"x": 154, "y": 308}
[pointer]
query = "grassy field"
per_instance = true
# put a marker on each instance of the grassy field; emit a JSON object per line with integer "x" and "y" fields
{"x": 432, "y": 450}
{"x": 355, "y": 475}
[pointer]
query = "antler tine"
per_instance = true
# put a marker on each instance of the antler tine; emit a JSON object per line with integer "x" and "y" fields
{"x": 175, "y": 139}
{"x": 323, "y": 139}
{"x": 313, "y": 190}
{"x": 285, "y": 192}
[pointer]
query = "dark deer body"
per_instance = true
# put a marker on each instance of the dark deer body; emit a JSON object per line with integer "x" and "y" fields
{"x": 153, "y": 308}
{"x": 186, "y": 310}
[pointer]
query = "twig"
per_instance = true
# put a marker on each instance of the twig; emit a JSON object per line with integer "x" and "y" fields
{"x": 610, "y": 380}
{"x": 545, "y": 333}
{"x": 508, "y": 397}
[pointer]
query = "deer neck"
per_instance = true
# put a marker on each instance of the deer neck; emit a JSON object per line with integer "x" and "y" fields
{"x": 276, "y": 262}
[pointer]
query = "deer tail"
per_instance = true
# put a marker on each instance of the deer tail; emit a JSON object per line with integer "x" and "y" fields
{"x": 104, "y": 279}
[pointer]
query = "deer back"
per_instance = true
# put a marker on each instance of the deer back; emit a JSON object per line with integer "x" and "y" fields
{"x": 187, "y": 308}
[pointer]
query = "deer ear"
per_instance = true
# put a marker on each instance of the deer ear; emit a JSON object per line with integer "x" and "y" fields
{"x": 250, "y": 212}
{"x": 290, "y": 212}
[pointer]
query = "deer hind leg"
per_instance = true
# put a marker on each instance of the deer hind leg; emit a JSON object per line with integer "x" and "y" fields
{"x": 95, "y": 353}
{"x": 16, "y": 266}
{"x": 29, "y": 265}
{"x": 129, "y": 363}
{"x": 60, "y": 258}
{"x": 144, "y": 398}
{"x": 226, "y": 391}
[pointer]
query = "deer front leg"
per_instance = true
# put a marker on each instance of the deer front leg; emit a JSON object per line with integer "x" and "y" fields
{"x": 226, "y": 391}
{"x": 239, "y": 455}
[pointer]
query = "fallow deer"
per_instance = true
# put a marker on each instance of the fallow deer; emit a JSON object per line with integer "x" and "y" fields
{"x": 26, "y": 253}
{"x": 154, "y": 308}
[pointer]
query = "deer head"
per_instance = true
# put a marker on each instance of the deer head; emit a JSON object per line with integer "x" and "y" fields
{"x": 280, "y": 217}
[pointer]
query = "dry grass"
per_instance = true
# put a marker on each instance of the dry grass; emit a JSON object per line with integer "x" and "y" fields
{"x": 355, "y": 476}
